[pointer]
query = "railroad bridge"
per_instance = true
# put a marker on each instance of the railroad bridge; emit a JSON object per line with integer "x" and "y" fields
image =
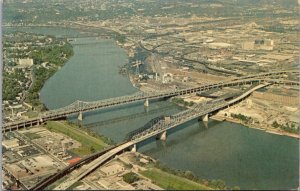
{"x": 79, "y": 107}
{"x": 157, "y": 127}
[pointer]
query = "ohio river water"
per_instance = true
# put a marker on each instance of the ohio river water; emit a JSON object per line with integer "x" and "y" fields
{"x": 249, "y": 158}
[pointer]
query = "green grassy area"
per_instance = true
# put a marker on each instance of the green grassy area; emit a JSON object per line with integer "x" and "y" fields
{"x": 32, "y": 135}
{"x": 82, "y": 151}
{"x": 31, "y": 114}
{"x": 172, "y": 182}
{"x": 89, "y": 143}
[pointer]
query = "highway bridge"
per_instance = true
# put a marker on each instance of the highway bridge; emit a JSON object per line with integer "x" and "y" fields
{"x": 158, "y": 127}
{"x": 78, "y": 107}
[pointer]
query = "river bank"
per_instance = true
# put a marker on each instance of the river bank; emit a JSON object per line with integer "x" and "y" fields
{"x": 266, "y": 129}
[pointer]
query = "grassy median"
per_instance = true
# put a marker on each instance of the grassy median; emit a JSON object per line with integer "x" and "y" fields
{"x": 90, "y": 143}
{"x": 172, "y": 182}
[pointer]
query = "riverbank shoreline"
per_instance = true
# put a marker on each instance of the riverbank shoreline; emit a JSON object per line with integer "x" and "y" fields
{"x": 267, "y": 130}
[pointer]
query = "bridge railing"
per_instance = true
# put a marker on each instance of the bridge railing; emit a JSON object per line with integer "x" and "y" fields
{"x": 144, "y": 128}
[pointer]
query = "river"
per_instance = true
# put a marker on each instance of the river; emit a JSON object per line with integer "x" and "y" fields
{"x": 249, "y": 158}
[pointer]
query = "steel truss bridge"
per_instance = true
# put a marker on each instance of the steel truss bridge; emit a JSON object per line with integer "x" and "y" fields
{"x": 78, "y": 107}
{"x": 156, "y": 127}
{"x": 199, "y": 110}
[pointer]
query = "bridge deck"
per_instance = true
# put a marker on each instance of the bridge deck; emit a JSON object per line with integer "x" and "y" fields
{"x": 156, "y": 129}
{"x": 80, "y": 106}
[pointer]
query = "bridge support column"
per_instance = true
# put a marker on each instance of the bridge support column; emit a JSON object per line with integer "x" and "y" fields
{"x": 134, "y": 148}
{"x": 205, "y": 118}
{"x": 146, "y": 109}
{"x": 146, "y": 103}
{"x": 41, "y": 121}
{"x": 80, "y": 119}
{"x": 163, "y": 136}
{"x": 80, "y": 116}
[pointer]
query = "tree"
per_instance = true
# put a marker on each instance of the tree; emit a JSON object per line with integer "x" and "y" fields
{"x": 92, "y": 149}
{"x": 130, "y": 177}
{"x": 293, "y": 126}
{"x": 275, "y": 124}
{"x": 120, "y": 38}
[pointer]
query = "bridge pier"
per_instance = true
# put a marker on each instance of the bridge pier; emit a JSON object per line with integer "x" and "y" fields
{"x": 163, "y": 136}
{"x": 205, "y": 118}
{"x": 41, "y": 121}
{"x": 80, "y": 116}
{"x": 146, "y": 103}
{"x": 146, "y": 109}
{"x": 134, "y": 148}
{"x": 80, "y": 119}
